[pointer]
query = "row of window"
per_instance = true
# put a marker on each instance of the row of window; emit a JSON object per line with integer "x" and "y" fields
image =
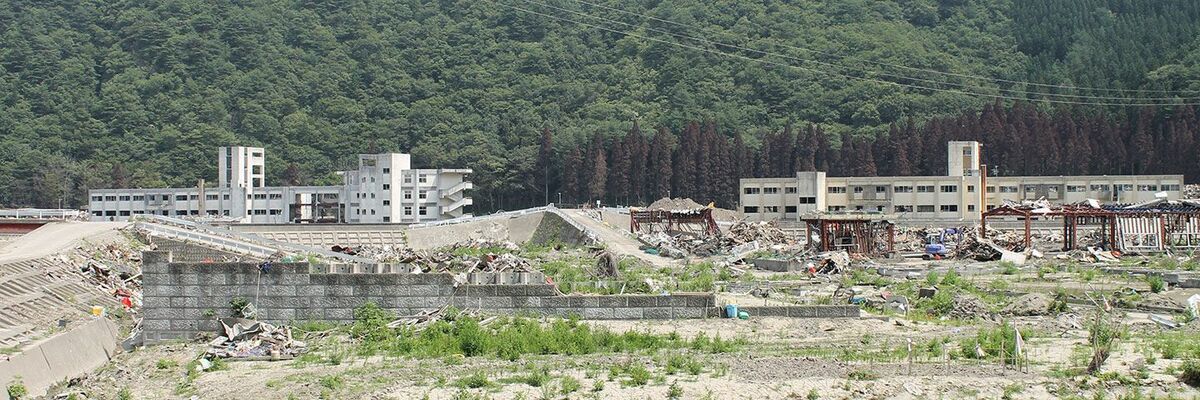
{"x": 769, "y": 190}
{"x": 902, "y": 189}
{"x": 924, "y": 208}
{"x": 407, "y": 210}
{"x": 183, "y": 197}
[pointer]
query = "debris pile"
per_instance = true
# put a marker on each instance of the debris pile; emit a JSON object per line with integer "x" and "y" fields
{"x": 1191, "y": 191}
{"x": 249, "y": 338}
{"x": 966, "y": 306}
{"x": 675, "y": 205}
{"x": 1030, "y": 305}
{"x": 765, "y": 232}
{"x": 492, "y": 259}
{"x": 741, "y": 237}
{"x": 422, "y": 320}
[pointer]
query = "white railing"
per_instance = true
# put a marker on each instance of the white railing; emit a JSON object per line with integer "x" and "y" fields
{"x": 504, "y": 214}
{"x": 43, "y": 213}
{"x": 464, "y": 185}
{"x": 238, "y": 242}
{"x": 463, "y": 202}
{"x": 222, "y": 243}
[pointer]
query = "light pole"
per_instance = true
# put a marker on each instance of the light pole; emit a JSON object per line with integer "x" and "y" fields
{"x": 560, "y": 198}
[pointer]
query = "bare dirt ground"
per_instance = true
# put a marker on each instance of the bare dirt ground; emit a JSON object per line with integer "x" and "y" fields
{"x": 770, "y": 365}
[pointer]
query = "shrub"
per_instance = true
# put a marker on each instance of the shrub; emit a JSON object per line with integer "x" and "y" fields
{"x": 124, "y": 394}
{"x": 16, "y": 389}
{"x": 164, "y": 363}
{"x": 1189, "y": 373}
{"x": 993, "y": 342}
{"x": 1156, "y": 283}
{"x": 862, "y": 375}
{"x": 638, "y": 376}
{"x": 331, "y": 382}
{"x": 951, "y": 278}
{"x": 475, "y": 380}
{"x": 1008, "y": 268}
{"x": 569, "y": 385}
{"x": 674, "y": 392}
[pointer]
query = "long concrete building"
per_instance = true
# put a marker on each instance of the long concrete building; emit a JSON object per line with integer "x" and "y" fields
{"x": 960, "y": 196}
{"x": 384, "y": 189}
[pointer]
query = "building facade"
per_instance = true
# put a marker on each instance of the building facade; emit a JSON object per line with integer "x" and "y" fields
{"x": 384, "y": 189}
{"x": 960, "y": 196}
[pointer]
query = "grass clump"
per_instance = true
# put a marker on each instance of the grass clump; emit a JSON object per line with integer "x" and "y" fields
{"x": 506, "y": 338}
{"x": 862, "y": 375}
{"x": 991, "y": 343}
{"x": 568, "y": 385}
{"x": 16, "y": 389}
{"x": 475, "y": 380}
{"x": 1156, "y": 282}
{"x": 164, "y": 363}
{"x": 1189, "y": 373}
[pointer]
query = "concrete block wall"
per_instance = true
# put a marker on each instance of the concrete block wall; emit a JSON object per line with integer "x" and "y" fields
{"x": 182, "y": 299}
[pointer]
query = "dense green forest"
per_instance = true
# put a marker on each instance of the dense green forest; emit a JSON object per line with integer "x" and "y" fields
{"x": 97, "y": 93}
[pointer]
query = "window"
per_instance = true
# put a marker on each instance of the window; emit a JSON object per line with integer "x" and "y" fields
{"x": 949, "y": 189}
{"x": 166, "y": 197}
{"x": 1124, "y": 187}
{"x": 276, "y": 196}
{"x": 260, "y": 196}
{"x": 750, "y": 210}
{"x": 925, "y": 189}
{"x": 372, "y": 179}
{"x": 789, "y": 209}
{"x": 808, "y": 200}
{"x": 110, "y": 198}
{"x": 858, "y": 208}
{"x": 372, "y": 195}
{"x": 387, "y": 219}
{"x": 836, "y": 189}
{"x": 387, "y": 202}
{"x": 211, "y": 212}
{"x": 407, "y": 195}
{"x": 902, "y": 189}
{"x": 949, "y": 208}
{"x": 180, "y": 212}
{"x": 750, "y": 190}
{"x": 789, "y": 190}
{"x": 991, "y": 189}
{"x": 925, "y": 208}
{"x": 771, "y": 190}
{"x": 407, "y": 179}
{"x": 138, "y": 212}
{"x": 372, "y": 211}
{"x": 1008, "y": 189}
{"x": 1099, "y": 188}
{"x": 193, "y": 197}
{"x": 1076, "y": 188}
{"x": 858, "y": 189}
{"x": 97, "y": 198}
{"x": 257, "y": 154}
{"x": 182, "y": 197}
{"x": 1147, "y": 188}
{"x": 421, "y": 179}
{"x": 1030, "y": 188}
{"x": 387, "y": 170}
{"x": 771, "y": 209}
{"x": 1170, "y": 188}
{"x": 124, "y": 213}
{"x": 970, "y": 207}
{"x": 225, "y": 197}
{"x": 124, "y": 198}
{"x": 98, "y": 213}
{"x": 407, "y": 210}
{"x": 422, "y": 195}
{"x": 902, "y": 209}
{"x": 276, "y": 212}
{"x": 139, "y": 198}
{"x": 970, "y": 188}
{"x": 837, "y": 208}
{"x": 422, "y": 211}
{"x": 881, "y": 189}
{"x": 260, "y": 212}
{"x": 210, "y": 197}
{"x": 387, "y": 186}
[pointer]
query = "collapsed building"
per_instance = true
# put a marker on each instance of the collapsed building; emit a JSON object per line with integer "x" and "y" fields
{"x": 384, "y": 189}
{"x": 1149, "y": 227}
{"x": 958, "y": 197}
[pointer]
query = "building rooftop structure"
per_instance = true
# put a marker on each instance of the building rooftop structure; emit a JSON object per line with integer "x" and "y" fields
{"x": 383, "y": 189}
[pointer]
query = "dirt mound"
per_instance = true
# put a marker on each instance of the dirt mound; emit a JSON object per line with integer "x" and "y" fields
{"x": 967, "y": 307}
{"x": 680, "y": 204}
{"x": 1030, "y": 304}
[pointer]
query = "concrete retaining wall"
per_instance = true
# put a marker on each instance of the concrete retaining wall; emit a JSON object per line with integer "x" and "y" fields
{"x": 519, "y": 229}
{"x": 61, "y": 357}
{"x": 183, "y": 299}
{"x": 776, "y": 265}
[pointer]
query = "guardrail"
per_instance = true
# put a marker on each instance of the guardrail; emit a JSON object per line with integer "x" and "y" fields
{"x": 227, "y": 244}
{"x": 237, "y": 242}
{"x": 43, "y": 213}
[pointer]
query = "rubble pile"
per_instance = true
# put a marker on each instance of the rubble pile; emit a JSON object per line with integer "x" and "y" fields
{"x": 114, "y": 268}
{"x": 422, "y": 320}
{"x": 445, "y": 260}
{"x": 1030, "y": 305}
{"x": 675, "y": 205}
{"x": 1158, "y": 300}
{"x": 249, "y": 338}
{"x": 741, "y": 237}
{"x": 966, "y": 306}
{"x": 765, "y": 232}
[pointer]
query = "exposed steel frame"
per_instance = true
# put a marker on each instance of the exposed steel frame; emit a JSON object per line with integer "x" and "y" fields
{"x": 674, "y": 221}
{"x": 865, "y": 236}
{"x": 1176, "y": 228}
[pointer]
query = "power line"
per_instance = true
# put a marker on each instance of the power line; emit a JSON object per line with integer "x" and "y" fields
{"x": 971, "y": 88}
{"x": 826, "y": 72}
{"x": 933, "y": 71}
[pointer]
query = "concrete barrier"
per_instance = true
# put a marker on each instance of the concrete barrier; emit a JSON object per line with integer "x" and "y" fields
{"x": 61, "y": 357}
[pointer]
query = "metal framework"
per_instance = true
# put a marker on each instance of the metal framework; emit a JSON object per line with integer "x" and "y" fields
{"x": 853, "y": 234}
{"x": 698, "y": 221}
{"x": 1139, "y": 229}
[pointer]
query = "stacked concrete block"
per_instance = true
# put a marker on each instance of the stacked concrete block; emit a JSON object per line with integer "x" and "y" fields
{"x": 183, "y": 299}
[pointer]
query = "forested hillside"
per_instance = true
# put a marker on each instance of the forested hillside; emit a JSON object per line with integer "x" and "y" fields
{"x": 98, "y": 93}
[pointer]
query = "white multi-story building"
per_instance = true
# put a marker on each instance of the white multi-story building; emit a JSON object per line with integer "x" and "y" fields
{"x": 384, "y": 189}
{"x": 960, "y": 196}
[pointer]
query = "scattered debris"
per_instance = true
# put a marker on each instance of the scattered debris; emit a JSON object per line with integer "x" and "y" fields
{"x": 245, "y": 338}
{"x": 966, "y": 306}
{"x": 1030, "y": 305}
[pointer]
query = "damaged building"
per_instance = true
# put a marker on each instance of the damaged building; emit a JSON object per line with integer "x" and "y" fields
{"x": 384, "y": 189}
{"x": 960, "y": 196}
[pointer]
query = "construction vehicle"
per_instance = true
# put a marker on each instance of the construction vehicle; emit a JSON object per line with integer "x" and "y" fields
{"x": 941, "y": 244}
